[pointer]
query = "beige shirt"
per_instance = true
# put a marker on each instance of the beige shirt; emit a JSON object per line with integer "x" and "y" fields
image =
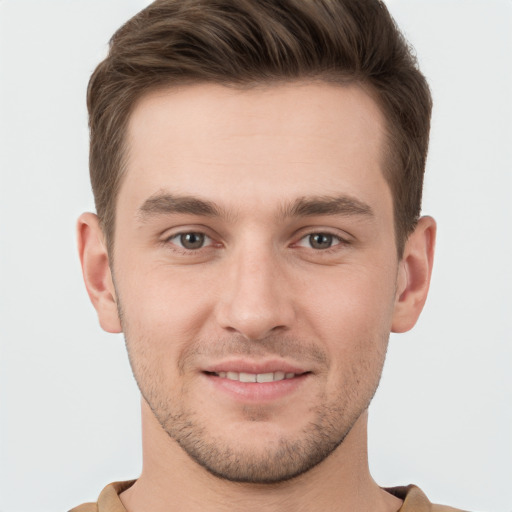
{"x": 413, "y": 497}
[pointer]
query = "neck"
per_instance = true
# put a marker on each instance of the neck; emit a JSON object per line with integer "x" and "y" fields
{"x": 170, "y": 481}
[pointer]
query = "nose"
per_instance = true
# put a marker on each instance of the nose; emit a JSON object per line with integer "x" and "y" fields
{"x": 255, "y": 298}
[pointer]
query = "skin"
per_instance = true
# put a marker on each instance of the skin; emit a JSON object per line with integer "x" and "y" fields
{"x": 292, "y": 265}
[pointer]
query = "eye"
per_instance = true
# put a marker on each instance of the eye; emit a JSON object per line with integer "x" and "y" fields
{"x": 319, "y": 241}
{"x": 190, "y": 241}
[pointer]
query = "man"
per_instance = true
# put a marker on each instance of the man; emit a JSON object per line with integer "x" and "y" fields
{"x": 257, "y": 169}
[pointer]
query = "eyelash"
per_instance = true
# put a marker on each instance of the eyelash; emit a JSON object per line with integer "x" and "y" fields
{"x": 336, "y": 239}
{"x": 184, "y": 250}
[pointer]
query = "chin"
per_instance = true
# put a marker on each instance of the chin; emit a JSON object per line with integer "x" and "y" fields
{"x": 256, "y": 450}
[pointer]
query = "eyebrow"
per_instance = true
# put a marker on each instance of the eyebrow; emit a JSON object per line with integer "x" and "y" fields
{"x": 327, "y": 205}
{"x": 164, "y": 203}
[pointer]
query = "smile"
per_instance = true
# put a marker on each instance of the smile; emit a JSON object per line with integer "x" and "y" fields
{"x": 249, "y": 381}
{"x": 255, "y": 377}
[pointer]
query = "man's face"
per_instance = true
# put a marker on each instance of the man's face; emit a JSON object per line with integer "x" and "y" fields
{"x": 255, "y": 242}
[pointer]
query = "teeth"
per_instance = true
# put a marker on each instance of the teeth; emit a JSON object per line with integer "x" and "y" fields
{"x": 256, "y": 377}
{"x": 247, "y": 377}
{"x": 264, "y": 377}
{"x": 281, "y": 375}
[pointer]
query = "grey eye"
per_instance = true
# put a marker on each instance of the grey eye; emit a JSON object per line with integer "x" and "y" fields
{"x": 321, "y": 240}
{"x": 192, "y": 240}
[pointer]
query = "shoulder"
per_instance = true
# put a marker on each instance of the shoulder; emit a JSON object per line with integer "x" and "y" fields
{"x": 415, "y": 500}
{"x": 108, "y": 500}
{"x": 443, "y": 508}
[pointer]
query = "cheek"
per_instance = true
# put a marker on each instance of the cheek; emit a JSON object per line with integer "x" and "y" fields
{"x": 164, "y": 305}
{"x": 352, "y": 300}
{"x": 351, "y": 314}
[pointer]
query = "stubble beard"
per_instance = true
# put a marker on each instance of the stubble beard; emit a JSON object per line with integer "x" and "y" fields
{"x": 284, "y": 458}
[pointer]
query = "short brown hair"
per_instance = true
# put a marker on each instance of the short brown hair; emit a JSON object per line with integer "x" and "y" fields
{"x": 246, "y": 42}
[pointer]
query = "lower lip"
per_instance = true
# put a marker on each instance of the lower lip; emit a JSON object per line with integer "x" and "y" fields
{"x": 256, "y": 391}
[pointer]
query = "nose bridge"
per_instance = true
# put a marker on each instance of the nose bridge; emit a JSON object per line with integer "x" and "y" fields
{"x": 255, "y": 300}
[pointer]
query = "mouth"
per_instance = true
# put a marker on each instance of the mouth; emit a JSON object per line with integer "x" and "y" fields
{"x": 255, "y": 377}
{"x": 253, "y": 382}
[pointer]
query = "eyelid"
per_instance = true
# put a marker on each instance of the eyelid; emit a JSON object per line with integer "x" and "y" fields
{"x": 177, "y": 236}
{"x": 342, "y": 236}
{"x": 337, "y": 240}
{"x": 170, "y": 237}
{"x": 170, "y": 232}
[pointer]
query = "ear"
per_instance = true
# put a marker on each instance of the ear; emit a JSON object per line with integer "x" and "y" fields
{"x": 414, "y": 273}
{"x": 96, "y": 271}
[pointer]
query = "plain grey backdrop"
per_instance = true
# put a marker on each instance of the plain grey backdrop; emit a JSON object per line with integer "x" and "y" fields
{"x": 69, "y": 409}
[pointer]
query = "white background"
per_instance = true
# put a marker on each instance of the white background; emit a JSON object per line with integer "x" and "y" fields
{"x": 69, "y": 411}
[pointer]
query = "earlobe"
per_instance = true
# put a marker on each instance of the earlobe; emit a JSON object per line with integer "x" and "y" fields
{"x": 96, "y": 272}
{"x": 415, "y": 270}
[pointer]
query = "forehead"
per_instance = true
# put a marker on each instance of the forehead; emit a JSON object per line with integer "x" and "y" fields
{"x": 258, "y": 146}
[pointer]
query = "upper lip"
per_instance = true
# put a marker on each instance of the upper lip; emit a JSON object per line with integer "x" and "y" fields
{"x": 247, "y": 366}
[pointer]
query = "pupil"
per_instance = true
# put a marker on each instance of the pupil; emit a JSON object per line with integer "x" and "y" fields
{"x": 320, "y": 241}
{"x": 192, "y": 240}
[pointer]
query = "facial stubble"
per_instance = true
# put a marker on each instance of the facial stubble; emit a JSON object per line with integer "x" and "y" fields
{"x": 284, "y": 457}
